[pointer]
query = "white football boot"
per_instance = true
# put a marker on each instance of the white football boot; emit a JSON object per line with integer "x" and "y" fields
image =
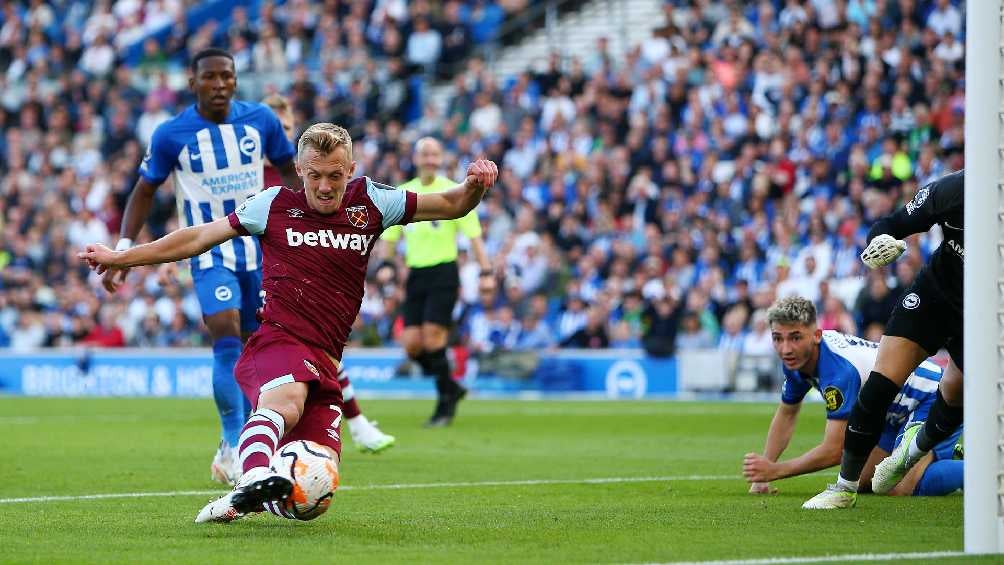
{"x": 891, "y": 470}
{"x": 253, "y": 490}
{"x": 367, "y": 436}
{"x": 224, "y": 468}
{"x": 832, "y": 498}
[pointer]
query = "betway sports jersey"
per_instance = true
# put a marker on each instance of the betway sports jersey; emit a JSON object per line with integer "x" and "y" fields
{"x": 314, "y": 266}
{"x": 845, "y": 361}
{"x": 216, "y": 167}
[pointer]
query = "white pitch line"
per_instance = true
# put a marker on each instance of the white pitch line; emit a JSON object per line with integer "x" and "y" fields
{"x": 530, "y": 482}
{"x": 825, "y": 558}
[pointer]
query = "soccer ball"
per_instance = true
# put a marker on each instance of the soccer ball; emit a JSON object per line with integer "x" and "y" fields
{"x": 315, "y": 478}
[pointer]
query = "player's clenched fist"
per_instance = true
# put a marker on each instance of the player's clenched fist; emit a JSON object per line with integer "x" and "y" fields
{"x": 882, "y": 250}
{"x": 482, "y": 173}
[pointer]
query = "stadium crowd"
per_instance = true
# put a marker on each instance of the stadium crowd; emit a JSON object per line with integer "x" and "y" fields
{"x": 661, "y": 199}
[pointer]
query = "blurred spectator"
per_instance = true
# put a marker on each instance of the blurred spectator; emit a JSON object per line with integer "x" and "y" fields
{"x": 945, "y": 18}
{"x": 593, "y": 335}
{"x": 876, "y": 301}
{"x": 153, "y": 115}
{"x": 424, "y": 45}
{"x": 834, "y": 316}
{"x": 535, "y": 334}
{"x": 692, "y": 335}
{"x": 733, "y": 335}
{"x": 758, "y": 341}
{"x": 268, "y": 53}
{"x": 105, "y": 333}
{"x": 456, "y": 38}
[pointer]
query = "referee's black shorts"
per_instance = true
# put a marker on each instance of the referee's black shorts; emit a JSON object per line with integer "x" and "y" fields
{"x": 431, "y": 293}
{"x": 925, "y": 317}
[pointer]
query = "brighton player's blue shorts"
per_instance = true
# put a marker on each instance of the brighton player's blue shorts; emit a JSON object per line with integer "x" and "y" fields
{"x": 219, "y": 289}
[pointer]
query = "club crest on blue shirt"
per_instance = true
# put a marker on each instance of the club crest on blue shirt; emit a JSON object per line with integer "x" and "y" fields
{"x": 358, "y": 216}
{"x": 834, "y": 398}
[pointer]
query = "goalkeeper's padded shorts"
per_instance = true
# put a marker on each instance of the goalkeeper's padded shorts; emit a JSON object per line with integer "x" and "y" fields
{"x": 925, "y": 317}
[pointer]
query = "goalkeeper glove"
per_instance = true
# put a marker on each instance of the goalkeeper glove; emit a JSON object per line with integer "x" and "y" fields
{"x": 883, "y": 249}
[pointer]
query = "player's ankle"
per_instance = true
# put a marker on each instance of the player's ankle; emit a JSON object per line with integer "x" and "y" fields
{"x": 847, "y": 485}
{"x": 914, "y": 452}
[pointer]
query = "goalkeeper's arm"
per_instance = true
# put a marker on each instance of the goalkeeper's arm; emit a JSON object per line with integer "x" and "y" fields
{"x": 929, "y": 205}
{"x": 931, "y": 202}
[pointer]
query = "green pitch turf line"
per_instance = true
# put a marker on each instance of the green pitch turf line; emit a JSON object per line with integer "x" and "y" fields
{"x": 597, "y": 481}
{"x": 826, "y": 558}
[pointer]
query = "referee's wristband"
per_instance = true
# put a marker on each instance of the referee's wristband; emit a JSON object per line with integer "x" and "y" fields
{"x": 123, "y": 244}
{"x": 486, "y": 272}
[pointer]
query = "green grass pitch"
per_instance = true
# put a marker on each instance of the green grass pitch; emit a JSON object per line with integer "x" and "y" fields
{"x": 697, "y": 509}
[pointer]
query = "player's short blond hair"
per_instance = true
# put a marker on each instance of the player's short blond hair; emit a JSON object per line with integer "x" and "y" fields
{"x": 793, "y": 310}
{"x": 324, "y": 138}
{"x": 278, "y": 103}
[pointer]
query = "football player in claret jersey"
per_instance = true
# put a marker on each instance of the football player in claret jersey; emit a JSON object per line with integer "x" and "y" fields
{"x": 837, "y": 365}
{"x": 365, "y": 434}
{"x": 315, "y": 245}
{"x": 215, "y": 151}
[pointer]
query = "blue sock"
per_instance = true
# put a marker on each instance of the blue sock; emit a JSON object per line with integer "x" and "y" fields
{"x": 226, "y": 391}
{"x": 247, "y": 409}
{"x": 940, "y": 478}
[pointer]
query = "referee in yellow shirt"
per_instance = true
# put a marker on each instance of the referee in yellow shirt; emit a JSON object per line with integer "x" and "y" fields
{"x": 434, "y": 279}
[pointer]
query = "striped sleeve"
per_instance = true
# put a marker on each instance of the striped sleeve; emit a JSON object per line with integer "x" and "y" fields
{"x": 252, "y": 217}
{"x": 395, "y": 205}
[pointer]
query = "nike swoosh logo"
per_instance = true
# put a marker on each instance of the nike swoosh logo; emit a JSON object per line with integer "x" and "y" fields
{"x": 196, "y": 156}
{"x": 948, "y": 225}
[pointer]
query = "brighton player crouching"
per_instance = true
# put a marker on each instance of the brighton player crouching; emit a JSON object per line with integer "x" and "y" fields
{"x": 837, "y": 365}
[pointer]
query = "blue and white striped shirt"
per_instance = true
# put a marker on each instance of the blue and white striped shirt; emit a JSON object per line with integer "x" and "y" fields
{"x": 845, "y": 361}
{"x": 215, "y": 168}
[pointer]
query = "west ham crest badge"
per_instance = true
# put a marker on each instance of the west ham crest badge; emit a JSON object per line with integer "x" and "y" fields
{"x": 358, "y": 216}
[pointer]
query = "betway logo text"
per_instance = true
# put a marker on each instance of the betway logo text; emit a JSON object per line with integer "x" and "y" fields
{"x": 328, "y": 238}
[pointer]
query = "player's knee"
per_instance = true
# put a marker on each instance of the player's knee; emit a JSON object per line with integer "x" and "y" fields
{"x": 224, "y": 324}
{"x": 897, "y": 358}
{"x": 290, "y": 410}
{"x": 433, "y": 338}
{"x": 864, "y": 426}
{"x": 951, "y": 385}
{"x": 877, "y": 394}
{"x": 287, "y": 400}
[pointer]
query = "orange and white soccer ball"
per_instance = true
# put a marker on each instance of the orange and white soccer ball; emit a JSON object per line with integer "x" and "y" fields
{"x": 315, "y": 478}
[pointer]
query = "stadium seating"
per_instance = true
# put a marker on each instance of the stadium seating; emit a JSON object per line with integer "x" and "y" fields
{"x": 657, "y": 200}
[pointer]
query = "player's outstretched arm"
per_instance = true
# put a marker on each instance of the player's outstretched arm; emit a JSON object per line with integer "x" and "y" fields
{"x": 461, "y": 199}
{"x": 177, "y": 245}
{"x": 932, "y": 203}
{"x": 759, "y": 469}
{"x": 137, "y": 209}
{"x": 823, "y": 456}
